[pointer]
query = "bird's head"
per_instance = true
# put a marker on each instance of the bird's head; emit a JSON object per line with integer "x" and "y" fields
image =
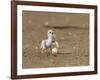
{"x": 50, "y": 33}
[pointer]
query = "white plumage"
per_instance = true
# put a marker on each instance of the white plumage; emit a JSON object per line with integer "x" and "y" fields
{"x": 50, "y": 43}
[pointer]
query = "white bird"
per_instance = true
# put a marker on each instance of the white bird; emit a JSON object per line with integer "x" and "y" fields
{"x": 49, "y": 42}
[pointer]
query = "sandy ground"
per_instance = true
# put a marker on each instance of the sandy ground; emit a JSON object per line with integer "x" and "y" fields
{"x": 72, "y": 34}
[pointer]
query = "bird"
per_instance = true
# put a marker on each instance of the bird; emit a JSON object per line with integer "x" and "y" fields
{"x": 47, "y": 44}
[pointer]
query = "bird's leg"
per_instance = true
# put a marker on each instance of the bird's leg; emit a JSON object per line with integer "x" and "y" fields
{"x": 45, "y": 51}
{"x": 50, "y": 49}
{"x": 48, "y": 52}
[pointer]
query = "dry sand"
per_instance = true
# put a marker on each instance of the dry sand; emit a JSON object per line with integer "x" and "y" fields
{"x": 72, "y": 31}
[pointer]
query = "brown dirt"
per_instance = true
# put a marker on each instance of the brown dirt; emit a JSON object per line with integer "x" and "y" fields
{"x": 72, "y": 32}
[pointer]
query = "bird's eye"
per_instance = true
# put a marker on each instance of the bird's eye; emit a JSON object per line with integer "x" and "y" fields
{"x": 50, "y": 32}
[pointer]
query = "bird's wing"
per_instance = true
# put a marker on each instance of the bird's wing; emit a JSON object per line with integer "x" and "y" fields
{"x": 57, "y": 44}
